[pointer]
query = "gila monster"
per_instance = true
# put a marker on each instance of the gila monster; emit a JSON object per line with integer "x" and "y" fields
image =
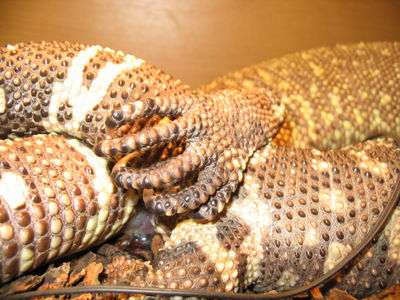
{"x": 296, "y": 214}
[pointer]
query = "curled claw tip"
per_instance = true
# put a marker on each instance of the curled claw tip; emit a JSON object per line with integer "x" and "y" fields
{"x": 148, "y": 195}
{"x": 97, "y": 150}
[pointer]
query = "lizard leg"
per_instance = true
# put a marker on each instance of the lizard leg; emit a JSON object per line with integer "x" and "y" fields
{"x": 218, "y": 142}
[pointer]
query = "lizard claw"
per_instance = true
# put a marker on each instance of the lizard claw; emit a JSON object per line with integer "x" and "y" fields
{"x": 194, "y": 154}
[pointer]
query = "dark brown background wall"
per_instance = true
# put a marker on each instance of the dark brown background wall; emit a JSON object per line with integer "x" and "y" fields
{"x": 198, "y": 40}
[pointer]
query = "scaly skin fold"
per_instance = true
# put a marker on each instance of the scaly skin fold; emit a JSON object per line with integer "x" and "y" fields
{"x": 56, "y": 198}
{"x": 297, "y": 215}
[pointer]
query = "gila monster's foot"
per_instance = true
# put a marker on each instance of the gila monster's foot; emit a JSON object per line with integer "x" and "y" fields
{"x": 194, "y": 155}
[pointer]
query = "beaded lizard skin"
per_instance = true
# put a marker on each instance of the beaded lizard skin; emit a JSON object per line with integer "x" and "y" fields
{"x": 116, "y": 104}
{"x": 333, "y": 96}
{"x": 297, "y": 212}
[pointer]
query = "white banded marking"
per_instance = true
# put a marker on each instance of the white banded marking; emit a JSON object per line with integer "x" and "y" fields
{"x": 289, "y": 278}
{"x": 336, "y": 253}
{"x": 2, "y": 101}
{"x": 394, "y": 236}
{"x": 205, "y": 237}
{"x": 13, "y": 189}
{"x": 102, "y": 182}
{"x": 70, "y": 87}
{"x": 103, "y": 185}
{"x": 255, "y": 215}
{"x": 88, "y": 98}
{"x": 78, "y": 96}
